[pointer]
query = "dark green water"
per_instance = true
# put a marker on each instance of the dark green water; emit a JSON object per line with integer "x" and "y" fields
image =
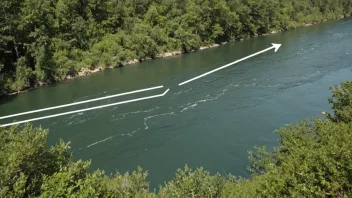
{"x": 211, "y": 122}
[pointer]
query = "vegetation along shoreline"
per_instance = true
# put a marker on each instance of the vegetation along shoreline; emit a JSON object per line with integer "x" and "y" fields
{"x": 89, "y": 71}
{"x": 46, "y": 42}
{"x": 313, "y": 159}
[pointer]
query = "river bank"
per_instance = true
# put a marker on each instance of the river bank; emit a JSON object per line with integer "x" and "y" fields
{"x": 88, "y": 71}
{"x": 217, "y": 111}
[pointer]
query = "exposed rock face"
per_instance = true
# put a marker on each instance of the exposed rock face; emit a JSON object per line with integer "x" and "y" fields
{"x": 86, "y": 71}
{"x": 69, "y": 77}
{"x": 131, "y": 62}
{"x": 209, "y": 46}
{"x": 167, "y": 54}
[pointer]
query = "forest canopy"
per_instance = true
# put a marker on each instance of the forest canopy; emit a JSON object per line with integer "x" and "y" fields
{"x": 43, "y": 41}
{"x": 313, "y": 159}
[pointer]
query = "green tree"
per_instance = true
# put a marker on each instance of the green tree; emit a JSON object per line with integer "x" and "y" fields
{"x": 108, "y": 52}
{"x": 58, "y": 38}
{"x": 313, "y": 159}
{"x": 342, "y": 103}
{"x": 29, "y": 169}
{"x": 23, "y": 75}
{"x": 198, "y": 183}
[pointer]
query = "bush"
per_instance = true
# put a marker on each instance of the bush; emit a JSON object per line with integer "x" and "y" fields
{"x": 313, "y": 159}
{"x": 49, "y": 33}
{"x": 27, "y": 168}
{"x": 23, "y": 75}
{"x": 198, "y": 183}
{"x": 342, "y": 102}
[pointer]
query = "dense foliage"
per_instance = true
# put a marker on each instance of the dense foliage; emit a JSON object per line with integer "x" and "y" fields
{"x": 42, "y": 41}
{"x": 28, "y": 169}
{"x": 313, "y": 159}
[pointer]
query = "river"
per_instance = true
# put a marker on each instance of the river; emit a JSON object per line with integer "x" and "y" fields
{"x": 211, "y": 122}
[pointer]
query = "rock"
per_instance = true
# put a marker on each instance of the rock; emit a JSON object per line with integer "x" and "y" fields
{"x": 69, "y": 77}
{"x": 209, "y": 46}
{"x": 167, "y": 54}
{"x": 175, "y": 53}
{"x": 96, "y": 70}
{"x": 131, "y": 62}
{"x": 203, "y": 47}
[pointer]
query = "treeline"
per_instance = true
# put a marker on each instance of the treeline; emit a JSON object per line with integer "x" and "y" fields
{"x": 313, "y": 159}
{"x": 42, "y": 41}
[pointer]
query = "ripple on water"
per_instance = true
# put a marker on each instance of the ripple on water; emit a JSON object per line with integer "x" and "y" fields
{"x": 124, "y": 115}
{"x": 150, "y": 117}
{"x": 207, "y": 98}
{"x": 111, "y": 137}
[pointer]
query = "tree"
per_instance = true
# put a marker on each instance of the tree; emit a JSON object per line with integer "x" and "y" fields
{"x": 342, "y": 102}
{"x": 313, "y": 159}
{"x": 198, "y": 183}
{"x": 23, "y": 75}
{"x": 58, "y": 38}
{"x": 29, "y": 169}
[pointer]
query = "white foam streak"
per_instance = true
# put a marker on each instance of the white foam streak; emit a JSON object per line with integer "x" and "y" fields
{"x": 123, "y": 115}
{"x": 150, "y": 117}
{"x": 95, "y": 143}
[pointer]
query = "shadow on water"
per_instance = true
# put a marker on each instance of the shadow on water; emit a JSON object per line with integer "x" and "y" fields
{"x": 6, "y": 99}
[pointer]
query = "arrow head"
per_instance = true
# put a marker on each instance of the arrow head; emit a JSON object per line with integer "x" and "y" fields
{"x": 276, "y": 46}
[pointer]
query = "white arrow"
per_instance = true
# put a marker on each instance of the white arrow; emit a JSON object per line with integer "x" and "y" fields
{"x": 88, "y": 109}
{"x": 81, "y": 102}
{"x": 275, "y": 46}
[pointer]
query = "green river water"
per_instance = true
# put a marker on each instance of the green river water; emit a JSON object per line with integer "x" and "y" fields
{"x": 211, "y": 122}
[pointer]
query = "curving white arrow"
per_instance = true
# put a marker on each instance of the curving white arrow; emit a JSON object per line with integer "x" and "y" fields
{"x": 274, "y": 46}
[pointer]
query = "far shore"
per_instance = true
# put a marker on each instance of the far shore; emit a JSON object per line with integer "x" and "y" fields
{"x": 87, "y": 71}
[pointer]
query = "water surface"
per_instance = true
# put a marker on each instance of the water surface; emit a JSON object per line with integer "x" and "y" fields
{"x": 211, "y": 122}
